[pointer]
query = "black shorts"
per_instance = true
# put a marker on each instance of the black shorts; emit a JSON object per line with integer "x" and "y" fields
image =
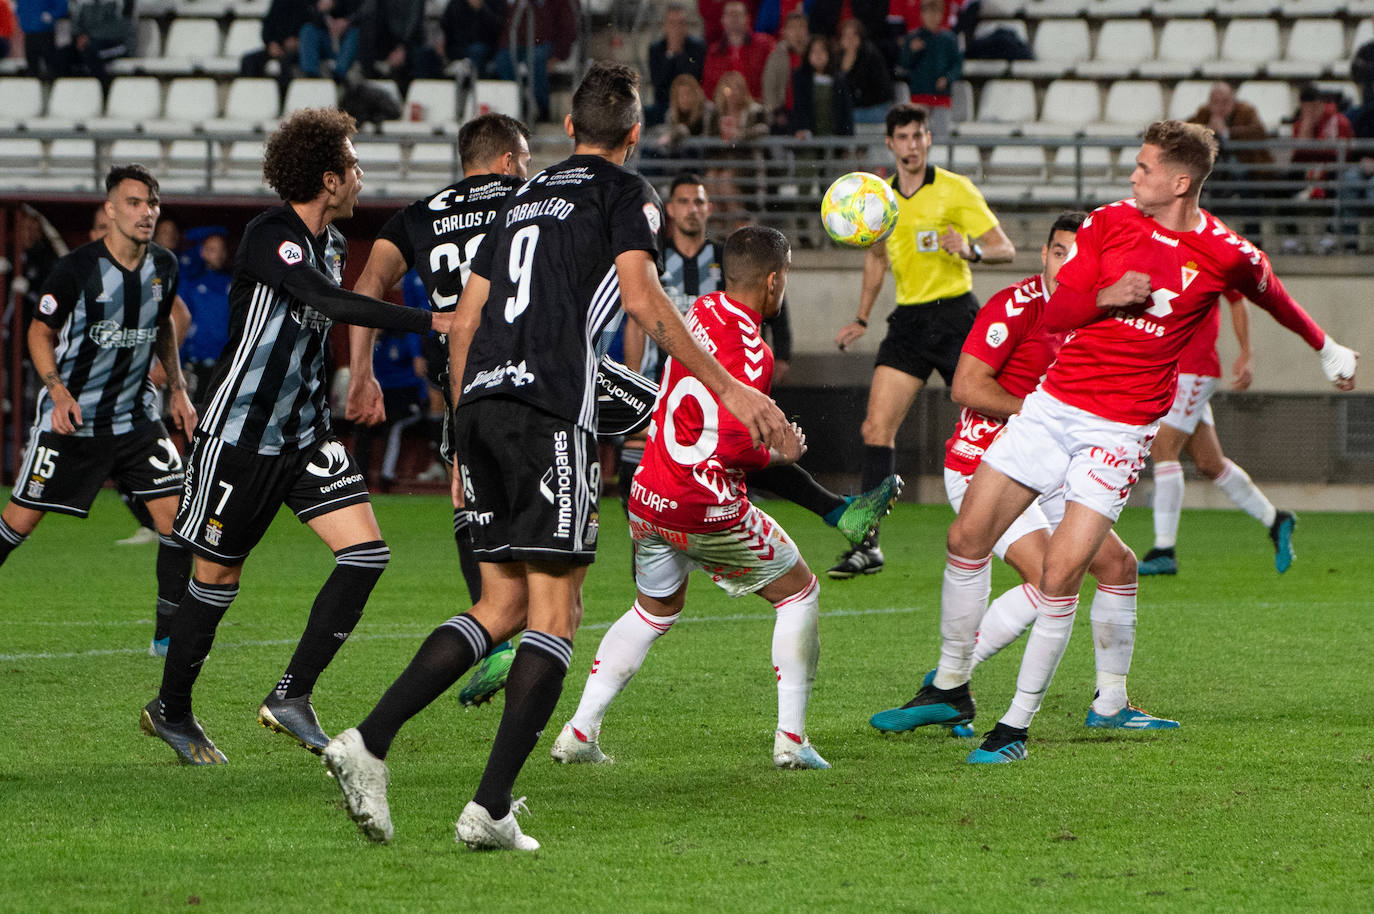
{"x": 63, "y": 473}
{"x": 232, "y": 494}
{"x": 530, "y": 483}
{"x": 928, "y": 337}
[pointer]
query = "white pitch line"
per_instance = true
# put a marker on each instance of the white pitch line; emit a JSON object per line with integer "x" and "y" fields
{"x": 418, "y": 633}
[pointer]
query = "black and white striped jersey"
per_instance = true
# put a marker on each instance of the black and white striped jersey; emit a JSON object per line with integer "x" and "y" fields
{"x": 685, "y": 279}
{"x": 550, "y": 257}
{"x": 106, "y": 318}
{"x": 268, "y": 392}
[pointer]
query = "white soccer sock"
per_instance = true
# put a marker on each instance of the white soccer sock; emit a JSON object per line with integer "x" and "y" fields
{"x": 1008, "y": 616}
{"x": 1168, "y": 502}
{"x": 1044, "y": 649}
{"x": 1113, "y": 618}
{"x": 963, "y": 600}
{"x": 618, "y": 657}
{"x": 796, "y": 651}
{"x": 1237, "y": 485}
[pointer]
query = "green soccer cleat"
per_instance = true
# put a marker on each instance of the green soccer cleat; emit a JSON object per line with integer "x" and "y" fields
{"x": 489, "y": 677}
{"x": 865, "y": 510}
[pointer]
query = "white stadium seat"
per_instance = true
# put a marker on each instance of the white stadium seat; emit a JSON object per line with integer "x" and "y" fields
{"x": 1183, "y": 45}
{"x": 310, "y": 93}
{"x": 189, "y": 43}
{"x": 1118, "y": 9}
{"x": 498, "y": 96}
{"x": 1121, "y": 46}
{"x": 1326, "y": 9}
{"x": 1059, "y": 45}
{"x": 244, "y": 159}
{"x": 1274, "y": 99}
{"x": 1052, "y": 9}
{"x": 147, "y": 46}
{"x": 244, "y": 35}
{"x": 20, "y": 158}
{"x": 434, "y": 100}
{"x": 73, "y": 101}
{"x": 382, "y": 160}
{"x": 251, "y": 101}
{"x": 1024, "y": 162}
{"x": 1183, "y": 9}
{"x": 435, "y": 161}
{"x": 1234, "y": 9}
{"x": 1131, "y": 105}
{"x": 961, "y": 159}
{"x": 1069, "y": 106}
{"x": 71, "y": 156}
{"x": 191, "y": 101}
{"x": 1188, "y": 96}
{"x": 145, "y": 152}
{"x": 23, "y": 97}
{"x": 1096, "y": 163}
{"x": 984, "y": 69}
{"x": 187, "y": 157}
{"x": 1004, "y": 105}
{"x": 133, "y": 102}
{"x": 1314, "y": 46}
{"x": 1246, "y": 46}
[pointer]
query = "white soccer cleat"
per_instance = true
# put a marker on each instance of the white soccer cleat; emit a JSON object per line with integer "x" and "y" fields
{"x": 794, "y": 754}
{"x": 480, "y": 832}
{"x": 575, "y": 748}
{"x": 363, "y": 778}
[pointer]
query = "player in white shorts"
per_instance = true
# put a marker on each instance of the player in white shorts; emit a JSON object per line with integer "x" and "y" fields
{"x": 1189, "y": 426}
{"x": 1143, "y": 275}
{"x": 689, "y": 508}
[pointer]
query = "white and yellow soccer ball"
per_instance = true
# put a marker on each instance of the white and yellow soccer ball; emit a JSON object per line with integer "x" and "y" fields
{"x": 859, "y": 209}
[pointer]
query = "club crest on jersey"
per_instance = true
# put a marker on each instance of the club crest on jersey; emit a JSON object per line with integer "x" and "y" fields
{"x": 336, "y": 267}
{"x": 652, "y": 216}
{"x": 213, "y": 531}
{"x": 927, "y": 241}
{"x": 35, "y": 488}
{"x": 47, "y": 305}
{"x": 1189, "y": 274}
{"x": 157, "y": 289}
{"x": 290, "y": 253}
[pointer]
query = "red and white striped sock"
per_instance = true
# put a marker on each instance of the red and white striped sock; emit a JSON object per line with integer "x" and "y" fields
{"x": 1008, "y": 616}
{"x": 1113, "y": 618}
{"x": 1044, "y": 649}
{"x": 963, "y": 600}
{"x": 796, "y": 651}
{"x": 618, "y": 658}
{"x": 1168, "y": 502}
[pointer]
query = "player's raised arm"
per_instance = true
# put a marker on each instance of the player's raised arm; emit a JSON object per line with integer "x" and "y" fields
{"x": 645, "y": 301}
{"x": 1261, "y": 286}
{"x": 875, "y": 268}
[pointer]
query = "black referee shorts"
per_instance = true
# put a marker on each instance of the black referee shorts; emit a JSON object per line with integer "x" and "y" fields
{"x": 63, "y": 473}
{"x": 928, "y": 337}
{"x": 531, "y": 483}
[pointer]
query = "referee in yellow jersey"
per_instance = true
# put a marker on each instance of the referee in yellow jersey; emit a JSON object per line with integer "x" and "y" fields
{"x": 943, "y": 225}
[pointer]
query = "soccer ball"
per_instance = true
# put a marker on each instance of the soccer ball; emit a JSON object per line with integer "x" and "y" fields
{"x": 859, "y": 209}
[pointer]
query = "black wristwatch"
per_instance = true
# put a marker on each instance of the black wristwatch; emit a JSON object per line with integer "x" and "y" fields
{"x": 977, "y": 250}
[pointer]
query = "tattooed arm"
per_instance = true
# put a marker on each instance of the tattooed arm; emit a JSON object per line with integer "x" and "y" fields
{"x": 168, "y": 341}
{"x": 66, "y": 412}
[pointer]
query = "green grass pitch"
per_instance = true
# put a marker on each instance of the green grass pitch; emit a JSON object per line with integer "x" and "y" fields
{"x": 1261, "y": 802}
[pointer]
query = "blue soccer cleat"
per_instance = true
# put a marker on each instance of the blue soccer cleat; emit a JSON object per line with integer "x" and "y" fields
{"x": 958, "y": 731}
{"x": 1001, "y": 745}
{"x": 158, "y": 646}
{"x": 1158, "y": 561}
{"x": 947, "y": 707}
{"x": 1128, "y": 718}
{"x": 1281, "y": 532}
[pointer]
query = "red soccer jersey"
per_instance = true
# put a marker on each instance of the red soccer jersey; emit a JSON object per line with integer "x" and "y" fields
{"x": 1200, "y": 356}
{"x": 692, "y": 476}
{"x": 1122, "y": 364}
{"x": 1009, "y": 336}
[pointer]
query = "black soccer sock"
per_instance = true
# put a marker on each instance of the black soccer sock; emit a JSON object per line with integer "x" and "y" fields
{"x": 879, "y": 463}
{"x": 467, "y": 561}
{"x": 532, "y": 690}
{"x": 193, "y": 632}
{"x": 173, "y": 571}
{"x": 336, "y": 612}
{"x": 448, "y": 652}
{"x": 796, "y": 485}
{"x": 10, "y": 540}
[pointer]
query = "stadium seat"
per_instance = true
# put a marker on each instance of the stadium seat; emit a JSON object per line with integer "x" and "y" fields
{"x": 20, "y": 158}
{"x": 1183, "y": 9}
{"x": 251, "y": 102}
{"x": 23, "y": 97}
{"x": 1008, "y": 162}
{"x": 73, "y": 101}
{"x": 1118, "y": 9}
{"x": 1121, "y": 45}
{"x": 187, "y": 158}
{"x": 1003, "y": 106}
{"x": 1069, "y": 106}
{"x": 961, "y": 158}
{"x": 147, "y": 46}
{"x": 1275, "y": 100}
{"x": 435, "y": 101}
{"x": 213, "y": 9}
{"x": 1314, "y": 45}
{"x": 382, "y": 160}
{"x": 251, "y": 9}
{"x": 1246, "y": 46}
{"x": 499, "y": 96}
{"x": 1326, "y": 9}
{"x": 244, "y": 35}
{"x": 1096, "y": 163}
{"x": 1364, "y": 33}
{"x": 436, "y": 162}
{"x": 189, "y": 43}
{"x": 1188, "y": 96}
{"x": 1183, "y": 44}
{"x": 133, "y": 102}
{"x": 145, "y": 152}
{"x": 1060, "y": 44}
{"x": 1131, "y": 105}
{"x": 985, "y": 69}
{"x": 305, "y": 92}
{"x": 191, "y": 101}
{"x": 244, "y": 159}
{"x": 1008, "y": 9}
{"x": 74, "y": 157}
{"x": 1341, "y": 87}
{"x": 1054, "y": 9}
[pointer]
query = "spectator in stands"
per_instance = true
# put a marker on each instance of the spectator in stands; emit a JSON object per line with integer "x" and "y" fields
{"x": 7, "y": 28}
{"x": 931, "y": 63}
{"x": 1317, "y": 119}
{"x": 678, "y": 52}
{"x": 1362, "y": 72}
{"x": 690, "y": 114}
{"x": 738, "y": 121}
{"x": 710, "y": 12}
{"x": 772, "y": 15}
{"x": 555, "y": 31}
{"x": 333, "y": 33}
{"x": 281, "y": 30}
{"x": 168, "y": 234}
{"x": 38, "y": 21}
{"x": 205, "y": 289}
{"x": 1234, "y": 122}
{"x": 828, "y": 15}
{"x": 393, "y": 33}
{"x": 740, "y": 49}
{"x": 102, "y": 31}
{"x": 822, "y": 104}
{"x": 863, "y": 66}
{"x": 785, "y": 59}
{"x": 472, "y": 32}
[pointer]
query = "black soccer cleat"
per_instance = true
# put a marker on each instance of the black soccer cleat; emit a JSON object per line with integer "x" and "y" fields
{"x": 865, "y": 558}
{"x": 947, "y": 707}
{"x": 185, "y": 737}
{"x": 296, "y": 718}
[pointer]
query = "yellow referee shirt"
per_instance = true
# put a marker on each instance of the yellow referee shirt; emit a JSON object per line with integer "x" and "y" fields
{"x": 923, "y": 271}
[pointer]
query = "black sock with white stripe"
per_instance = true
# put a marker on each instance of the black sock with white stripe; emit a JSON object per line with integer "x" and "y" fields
{"x": 10, "y": 540}
{"x": 337, "y": 610}
{"x": 532, "y": 689}
{"x": 467, "y": 560}
{"x": 448, "y": 653}
{"x": 173, "y": 572}
{"x": 193, "y": 632}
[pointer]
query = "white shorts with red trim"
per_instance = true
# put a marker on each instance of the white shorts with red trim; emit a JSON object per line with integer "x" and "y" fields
{"x": 741, "y": 559}
{"x": 1050, "y": 442}
{"x": 1192, "y": 403}
{"x": 1031, "y": 519}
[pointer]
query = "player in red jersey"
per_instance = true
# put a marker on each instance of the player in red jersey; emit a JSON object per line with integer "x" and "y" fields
{"x": 1189, "y": 426}
{"x": 689, "y": 508}
{"x": 1141, "y": 278}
